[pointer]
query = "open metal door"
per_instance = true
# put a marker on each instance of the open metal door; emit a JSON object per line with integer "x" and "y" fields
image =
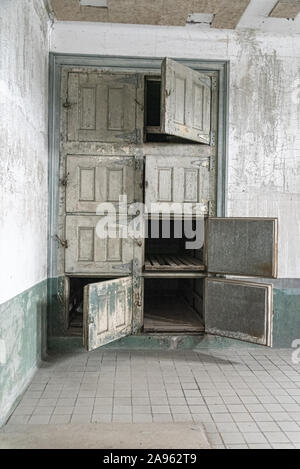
{"x": 242, "y": 246}
{"x": 107, "y": 311}
{"x": 185, "y": 102}
{"x": 239, "y": 310}
{"x": 234, "y": 308}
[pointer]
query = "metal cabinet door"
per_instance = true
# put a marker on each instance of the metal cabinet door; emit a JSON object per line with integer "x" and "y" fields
{"x": 92, "y": 180}
{"x": 107, "y": 312}
{"x": 239, "y": 310}
{"x": 242, "y": 246}
{"x": 103, "y": 107}
{"x": 186, "y": 102}
{"x": 177, "y": 179}
{"x": 88, "y": 253}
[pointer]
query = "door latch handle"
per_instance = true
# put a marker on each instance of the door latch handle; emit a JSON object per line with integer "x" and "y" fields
{"x": 139, "y": 104}
{"x": 64, "y": 181}
{"x": 63, "y": 243}
{"x": 67, "y": 104}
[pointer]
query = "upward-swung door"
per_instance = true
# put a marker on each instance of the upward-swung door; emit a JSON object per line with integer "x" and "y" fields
{"x": 108, "y": 107}
{"x": 185, "y": 102}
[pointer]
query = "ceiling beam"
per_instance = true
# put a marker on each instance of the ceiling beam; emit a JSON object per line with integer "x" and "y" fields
{"x": 286, "y": 9}
{"x": 229, "y": 13}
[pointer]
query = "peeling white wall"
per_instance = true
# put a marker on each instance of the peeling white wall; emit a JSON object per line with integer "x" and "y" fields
{"x": 264, "y": 122}
{"x": 264, "y": 138}
{"x": 24, "y": 49}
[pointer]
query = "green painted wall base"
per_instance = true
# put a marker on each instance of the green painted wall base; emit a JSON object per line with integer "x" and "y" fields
{"x": 23, "y": 322}
{"x": 286, "y": 324}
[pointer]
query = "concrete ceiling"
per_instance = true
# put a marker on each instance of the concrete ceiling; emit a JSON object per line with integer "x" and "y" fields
{"x": 223, "y": 14}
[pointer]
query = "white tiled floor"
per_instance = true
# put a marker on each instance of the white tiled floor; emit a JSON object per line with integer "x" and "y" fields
{"x": 246, "y": 398}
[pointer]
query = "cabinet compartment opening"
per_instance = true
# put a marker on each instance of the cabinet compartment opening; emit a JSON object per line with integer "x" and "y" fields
{"x": 173, "y": 305}
{"x": 172, "y": 245}
{"x": 152, "y": 116}
{"x": 153, "y": 102}
{"x": 75, "y": 303}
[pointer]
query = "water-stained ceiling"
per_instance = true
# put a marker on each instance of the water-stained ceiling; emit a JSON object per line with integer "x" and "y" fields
{"x": 224, "y": 14}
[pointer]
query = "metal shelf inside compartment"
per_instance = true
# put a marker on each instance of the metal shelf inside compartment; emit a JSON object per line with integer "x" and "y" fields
{"x": 173, "y": 262}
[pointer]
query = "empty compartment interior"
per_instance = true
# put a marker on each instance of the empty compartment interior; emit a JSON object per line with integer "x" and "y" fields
{"x": 153, "y": 115}
{"x": 75, "y": 308}
{"x": 174, "y": 245}
{"x": 153, "y": 101}
{"x": 173, "y": 305}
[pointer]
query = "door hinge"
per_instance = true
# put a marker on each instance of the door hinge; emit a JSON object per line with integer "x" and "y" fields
{"x": 139, "y": 104}
{"x": 214, "y": 83}
{"x": 136, "y": 268}
{"x": 67, "y": 104}
{"x": 64, "y": 181}
{"x": 63, "y": 243}
{"x": 139, "y": 164}
{"x": 137, "y": 299}
{"x": 139, "y": 242}
{"x": 212, "y": 163}
{"x": 213, "y": 138}
{"x": 139, "y": 136}
{"x": 204, "y": 163}
{"x": 212, "y": 208}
